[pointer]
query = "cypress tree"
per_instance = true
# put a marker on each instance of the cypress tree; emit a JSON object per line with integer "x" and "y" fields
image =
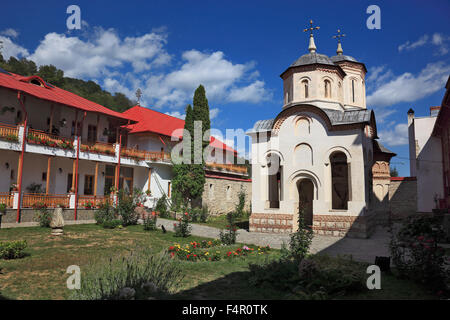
{"x": 201, "y": 113}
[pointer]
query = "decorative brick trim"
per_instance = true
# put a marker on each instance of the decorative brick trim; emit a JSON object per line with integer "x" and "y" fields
{"x": 403, "y": 178}
{"x": 271, "y": 222}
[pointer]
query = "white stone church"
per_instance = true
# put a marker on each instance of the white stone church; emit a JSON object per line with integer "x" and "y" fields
{"x": 320, "y": 152}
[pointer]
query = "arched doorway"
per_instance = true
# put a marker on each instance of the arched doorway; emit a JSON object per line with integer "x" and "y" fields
{"x": 306, "y": 196}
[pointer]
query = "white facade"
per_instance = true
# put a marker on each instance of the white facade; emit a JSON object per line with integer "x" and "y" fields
{"x": 425, "y": 153}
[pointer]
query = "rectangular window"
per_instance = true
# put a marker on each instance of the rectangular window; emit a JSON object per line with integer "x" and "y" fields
{"x": 69, "y": 182}
{"x": 169, "y": 189}
{"x": 88, "y": 185}
{"x": 353, "y": 90}
{"x": 92, "y": 133}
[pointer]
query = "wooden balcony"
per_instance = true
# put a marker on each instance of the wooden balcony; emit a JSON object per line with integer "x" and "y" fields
{"x": 6, "y": 199}
{"x": 9, "y": 132}
{"x": 98, "y": 147}
{"x": 227, "y": 167}
{"x": 145, "y": 155}
{"x": 49, "y": 140}
{"x": 93, "y": 202}
{"x": 32, "y": 200}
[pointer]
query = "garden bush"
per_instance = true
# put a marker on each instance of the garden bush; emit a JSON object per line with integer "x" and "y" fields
{"x": 417, "y": 256}
{"x": 12, "y": 249}
{"x": 105, "y": 213}
{"x": 140, "y": 273}
{"x": 112, "y": 224}
{"x": 42, "y": 215}
{"x": 239, "y": 210}
{"x": 229, "y": 235}
{"x": 183, "y": 228}
{"x": 150, "y": 222}
{"x": 161, "y": 207}
{"x": 300, "y": 240}
{"x": 126, "y": 207}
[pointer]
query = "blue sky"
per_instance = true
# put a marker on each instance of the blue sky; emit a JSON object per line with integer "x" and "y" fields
{"x": 238, "y": 49}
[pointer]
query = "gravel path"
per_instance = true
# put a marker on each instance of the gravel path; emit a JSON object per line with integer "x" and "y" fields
{"x": 360, "y": 249}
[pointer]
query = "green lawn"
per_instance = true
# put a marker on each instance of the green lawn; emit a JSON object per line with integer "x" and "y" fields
{"x": 41, "y": 274}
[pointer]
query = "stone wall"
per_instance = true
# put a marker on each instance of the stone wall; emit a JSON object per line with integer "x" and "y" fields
{"x": 221, "y": 195}
{"x": 271, "y": 223}
{"x": 27, "y": 215}
{"x": 402, "y": 196}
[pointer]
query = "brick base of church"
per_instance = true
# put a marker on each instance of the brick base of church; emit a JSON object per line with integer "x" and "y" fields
{"x": 331, "y": 225}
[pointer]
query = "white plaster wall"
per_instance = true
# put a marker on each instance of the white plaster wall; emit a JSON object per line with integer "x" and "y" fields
{"x": 322, "y": 143}
{"x": 12, "y": 158}
{"x": 429, "y": 171}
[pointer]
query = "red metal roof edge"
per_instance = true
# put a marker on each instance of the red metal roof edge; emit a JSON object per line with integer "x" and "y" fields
{"x": 403, "y": 178}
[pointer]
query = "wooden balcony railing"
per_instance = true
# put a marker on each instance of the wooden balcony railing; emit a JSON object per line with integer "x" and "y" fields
{"x": 31, "y": 200}
{"x": 9, "y": 132}
{"x": 98, "y": 147}
{"x": 145, "y": 155}
{"x": 7, "y": 199}
{"x": 227, "y": 167}
{"x": 49, "y": 140}
{"x": 92, "y": 201}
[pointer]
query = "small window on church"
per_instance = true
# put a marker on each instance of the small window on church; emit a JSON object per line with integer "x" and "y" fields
{"x": 353, "y": 90}
{"x": 327, "y": 84}
{"x": 305, "y": 86}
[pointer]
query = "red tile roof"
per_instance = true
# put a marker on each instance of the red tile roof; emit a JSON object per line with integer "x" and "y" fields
{"x": 153, "y": 121}
{"x": 54, "y": 94}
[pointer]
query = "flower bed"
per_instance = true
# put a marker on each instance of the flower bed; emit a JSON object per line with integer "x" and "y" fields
{"x": 212, "y": 251}
{"x": 44, "y": 141}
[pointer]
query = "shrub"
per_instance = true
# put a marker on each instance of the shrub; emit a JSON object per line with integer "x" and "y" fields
{"x": 150, "y": 222}
{"x": 300, "y": 240}
{"x": 417, "y": 256}
{"x": 239, "y": 210}
{"x": 161, "y": 207}
{"x": 12, "y": 249}
{"x": 183, "y": 228}
{"x": 2, "y": 208}
{"x": 204, "y": 214}
{"x": 104, "y": 213}
{"x": 42, "y": 215}
{"x": 146, "y": 274}
{"x": 112, "y": 224}
{"x": 126, "y": 208}
{"x": 229, "y": 235}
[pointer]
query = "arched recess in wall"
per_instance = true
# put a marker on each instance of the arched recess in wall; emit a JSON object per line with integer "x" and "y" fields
{"x": 353, "y": 86}
{"x": 302, "y": 125}
{"x": 327, "y": 87}
{"x": 295, "y": 178}
{"x": 340, "y": 178}
{"x": 274, "y": 165}
{"x": 303, "y": 155}
{"x": 305, "y": 87}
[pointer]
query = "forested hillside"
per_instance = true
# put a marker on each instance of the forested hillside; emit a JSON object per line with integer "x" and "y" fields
{"x": 86, "y": 89}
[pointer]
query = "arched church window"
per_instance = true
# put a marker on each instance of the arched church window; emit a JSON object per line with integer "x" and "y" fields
{"x": 327, "y": 84}
{"x": 305, "y": 87}
{"x": 339, "y": 181}
{"x": 353, "y": 90}
{"x": 274, "y": 180}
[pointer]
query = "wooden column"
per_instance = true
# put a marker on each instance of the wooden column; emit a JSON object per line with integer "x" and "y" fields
{"x": 95, "y": 179}
{"x": 49, "y": 164}
{"x": 50, "y": 126}
{"x": 149, "y": 178}
{"x": 74, "y": 169}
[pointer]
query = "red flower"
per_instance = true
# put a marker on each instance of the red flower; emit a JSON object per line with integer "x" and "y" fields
{"x": 185, "y": 213}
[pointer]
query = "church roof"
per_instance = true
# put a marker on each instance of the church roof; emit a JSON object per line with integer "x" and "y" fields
{"x": 336, "y": 117}
{"x": 342, "y": 57}
{"x": 382, "y": 148}
{"x": 312, "y": 58}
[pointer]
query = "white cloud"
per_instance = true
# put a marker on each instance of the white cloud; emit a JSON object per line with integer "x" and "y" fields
{"x": 437, "y": 39}
{"x": 213, "y": 113}
{"x": 9, "y": 48}
{"x": 408, "y": 87}
{"x": 418, "y": 43}
{"x": 176, "y": 114}
{"x": 10, "y": 33}
{"x": 105, "y": 50}
{"x": 125, "y": 64}
{"x": 396, "y": 136}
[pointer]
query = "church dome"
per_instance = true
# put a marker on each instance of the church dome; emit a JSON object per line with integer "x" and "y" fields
{"x": 341, "y": 57}
{"x": 312, "y": 58}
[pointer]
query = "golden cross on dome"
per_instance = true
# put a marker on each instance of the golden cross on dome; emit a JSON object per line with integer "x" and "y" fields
{"x": 339, "y": 35}
{"x": 311, "y": 28}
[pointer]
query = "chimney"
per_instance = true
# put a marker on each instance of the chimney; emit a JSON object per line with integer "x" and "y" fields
{"x": 434, "y": 111}
{"x": 410, "y": 116}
